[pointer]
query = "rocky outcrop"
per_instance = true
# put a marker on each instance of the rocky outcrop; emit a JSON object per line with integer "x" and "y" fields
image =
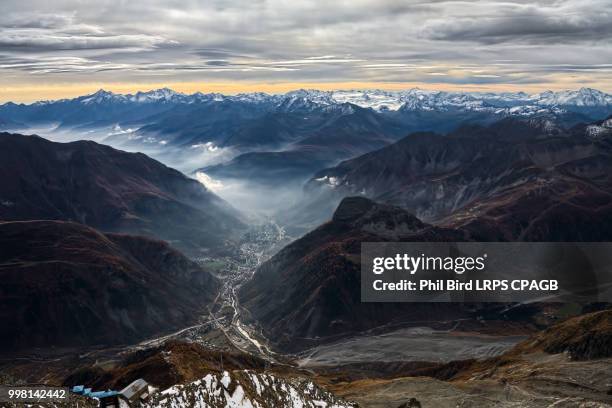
{"x": 247, "y": 389}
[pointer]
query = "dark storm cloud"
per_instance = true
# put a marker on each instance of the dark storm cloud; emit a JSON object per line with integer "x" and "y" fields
{"x": 60, "y": 42}
{"x": 555, "y": 23}
{"x": 218, "y": 53}
{"x": 218, "y": 63}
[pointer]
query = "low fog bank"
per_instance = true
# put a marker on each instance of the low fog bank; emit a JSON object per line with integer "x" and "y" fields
{"x": 256, "y": 200}
{"x": 285, "y": 201}
{"x": 185, "y": 159}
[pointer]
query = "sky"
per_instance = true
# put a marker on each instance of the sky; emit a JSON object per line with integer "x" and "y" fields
{"x": 65, "y": 48}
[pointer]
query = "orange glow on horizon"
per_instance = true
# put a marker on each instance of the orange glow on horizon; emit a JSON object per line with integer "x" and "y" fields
{"x": 32, "y": 93}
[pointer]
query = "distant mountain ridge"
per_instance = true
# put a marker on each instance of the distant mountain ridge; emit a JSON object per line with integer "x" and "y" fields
{"x": 376, "y": 99}
{"x": 187, "y": 119}
{"x": 284, "y": 139}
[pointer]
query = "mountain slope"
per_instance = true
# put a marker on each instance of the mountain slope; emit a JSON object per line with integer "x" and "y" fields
{"x": 586, "y": 337}
{"x": 310, "y": 291}
{"x": 110, "y": 190}
{"x": 491, "y": 177}
{"x": 311, "y": 288}
{"x": 311, "y": 143}
{"x": 164, "y": 119}
{"x": 247, "y": 389}
{"x": 65, "y": 284}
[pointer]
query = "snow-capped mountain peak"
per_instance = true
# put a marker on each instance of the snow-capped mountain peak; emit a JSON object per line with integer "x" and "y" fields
{"x": 581, "y": 97}
{"x": 163, "y": 94}
{"x": 99, "y": 96}
{"x": 409, "y": 100}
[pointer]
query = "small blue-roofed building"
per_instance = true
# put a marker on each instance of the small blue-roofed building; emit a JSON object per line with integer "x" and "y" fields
{"x": 78, "y": 389}
{"x": 103, "y": 394}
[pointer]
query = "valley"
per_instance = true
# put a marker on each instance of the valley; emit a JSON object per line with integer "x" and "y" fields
{"x": 222, "y": 328}
{"x": 306, "y": 204}
{"x": 210, "y": 245}
{"x": 256, "y": 246}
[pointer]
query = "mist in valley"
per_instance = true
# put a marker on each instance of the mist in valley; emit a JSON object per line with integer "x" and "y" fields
{"x": 282, "y": 201}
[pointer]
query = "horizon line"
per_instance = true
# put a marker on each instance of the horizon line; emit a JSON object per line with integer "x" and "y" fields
{"x": 38, "y": 93}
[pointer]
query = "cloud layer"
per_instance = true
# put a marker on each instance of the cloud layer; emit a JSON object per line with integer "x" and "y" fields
{"x": 543, "y": 43}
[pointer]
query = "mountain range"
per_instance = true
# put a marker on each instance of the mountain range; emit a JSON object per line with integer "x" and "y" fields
{"x": 376, "y": 99}
{"x": 321, "y": 127}
{"x": 82, "y": 259}
{"x": 185, "y": 119}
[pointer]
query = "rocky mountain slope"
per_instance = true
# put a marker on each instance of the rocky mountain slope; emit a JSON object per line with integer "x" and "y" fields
{"x": 586, "y": 337}
{"x": 490, "y": 178}
{"x": 247, "y": 389}
{"x": 311, "y": 288}
{"x": 66, "y": 284}
{"x": 110, "y": 190}
{"x": 174, "y": 362}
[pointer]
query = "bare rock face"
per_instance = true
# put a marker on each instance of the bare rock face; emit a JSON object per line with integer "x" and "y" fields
{"x": 66, "y": 284}
{"x": 412, "y": 403}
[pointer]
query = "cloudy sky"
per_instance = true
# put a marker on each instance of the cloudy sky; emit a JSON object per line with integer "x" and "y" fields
{"x": 61, "y": 48}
